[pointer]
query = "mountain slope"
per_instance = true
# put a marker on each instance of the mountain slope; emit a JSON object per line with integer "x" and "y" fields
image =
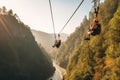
{"x": 99, "y": 58}
{"x": 20, "y": 56}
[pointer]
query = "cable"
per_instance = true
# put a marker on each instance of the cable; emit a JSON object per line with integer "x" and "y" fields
{"x": 52, "y": 18}
{"x": 71, "y": 16}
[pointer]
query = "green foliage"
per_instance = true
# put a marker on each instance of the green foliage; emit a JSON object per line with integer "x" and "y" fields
{"x": 99, "y": 58}
{"x": 20, "y": 56}
{"x": 72, "y": 43}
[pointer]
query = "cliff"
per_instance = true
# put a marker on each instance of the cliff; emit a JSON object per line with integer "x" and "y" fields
{"x": 20, "y": 56}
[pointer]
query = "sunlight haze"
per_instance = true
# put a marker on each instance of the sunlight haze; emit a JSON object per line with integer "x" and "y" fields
{"x": 36, "y": 13}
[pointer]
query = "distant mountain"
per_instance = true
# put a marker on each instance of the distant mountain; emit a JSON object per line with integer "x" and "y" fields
{"x": 20, "y": 56}
{"x": 46, "y": 39}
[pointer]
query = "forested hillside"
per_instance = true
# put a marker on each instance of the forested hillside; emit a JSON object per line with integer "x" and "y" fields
{"x": 20, "y": 56}
{"x": 99, "y": 58}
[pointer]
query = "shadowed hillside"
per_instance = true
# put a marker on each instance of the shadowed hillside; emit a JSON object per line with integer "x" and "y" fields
{"x": 20, "y": 56}
{"x": 99, "y": 58}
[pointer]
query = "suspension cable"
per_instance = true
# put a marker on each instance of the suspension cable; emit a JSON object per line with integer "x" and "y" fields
{"x": 71, "y": 16}
{"x": 52, "y": 18}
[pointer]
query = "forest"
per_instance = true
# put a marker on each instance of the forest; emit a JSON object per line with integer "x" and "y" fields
{"x": 98, "y": 58}
{"x": 20, "y": 56}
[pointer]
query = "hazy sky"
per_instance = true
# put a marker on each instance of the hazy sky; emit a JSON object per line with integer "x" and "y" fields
{"x": 36, "y": 13}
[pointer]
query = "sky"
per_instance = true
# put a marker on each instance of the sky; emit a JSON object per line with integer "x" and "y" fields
{"x": 36, "y": 13}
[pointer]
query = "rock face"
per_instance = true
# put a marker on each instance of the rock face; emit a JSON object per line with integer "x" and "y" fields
{"x": 20, "y": 56}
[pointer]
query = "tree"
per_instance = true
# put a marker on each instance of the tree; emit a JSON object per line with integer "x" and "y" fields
{"x": 4, "y": 10}
{"x": 0, "y": 10}
{"x": 10, "y": 12}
